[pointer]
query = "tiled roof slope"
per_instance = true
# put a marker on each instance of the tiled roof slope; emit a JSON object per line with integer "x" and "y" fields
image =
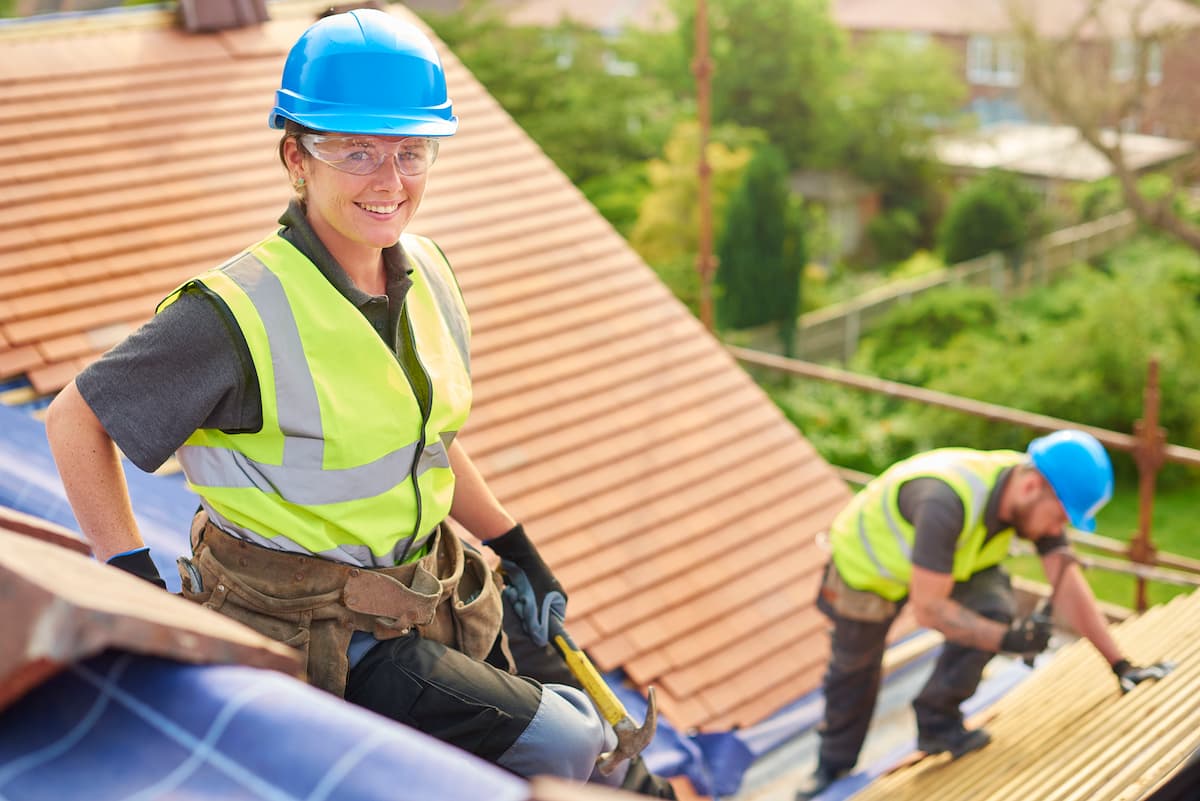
{"x": 1068, "y": 734}
{"x": 676, "y": 503}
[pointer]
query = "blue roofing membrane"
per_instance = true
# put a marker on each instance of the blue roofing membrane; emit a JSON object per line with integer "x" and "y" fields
{"x": 121, "y": 726}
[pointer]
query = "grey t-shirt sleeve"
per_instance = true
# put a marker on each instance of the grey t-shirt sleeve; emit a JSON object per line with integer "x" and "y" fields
{"x": 187, "y": 368}
{"x": 937, "y": 514}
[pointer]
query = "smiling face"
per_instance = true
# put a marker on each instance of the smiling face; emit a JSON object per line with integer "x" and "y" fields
{"x": 356, "y": 216}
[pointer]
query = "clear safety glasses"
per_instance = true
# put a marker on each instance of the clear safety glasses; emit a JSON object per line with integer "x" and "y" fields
{"x": 363, "y": 155}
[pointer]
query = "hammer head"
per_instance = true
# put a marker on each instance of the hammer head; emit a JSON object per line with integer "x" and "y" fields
{"x": 631, "y": 738}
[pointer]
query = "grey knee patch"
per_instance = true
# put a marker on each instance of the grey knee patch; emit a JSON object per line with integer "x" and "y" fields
{"x": 563, "y": 739}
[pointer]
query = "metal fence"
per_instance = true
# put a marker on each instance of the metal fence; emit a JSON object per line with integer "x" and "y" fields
{"x": 1147, "y": 444}
{"x": 834, "y": 332}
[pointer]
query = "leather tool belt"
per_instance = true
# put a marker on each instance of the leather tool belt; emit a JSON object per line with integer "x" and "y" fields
{"x": 854, "y": 604}
{"x": 450, "y": 595}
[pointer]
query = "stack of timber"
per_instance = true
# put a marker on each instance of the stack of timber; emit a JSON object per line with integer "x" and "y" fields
{"x": 1068, "y": 734}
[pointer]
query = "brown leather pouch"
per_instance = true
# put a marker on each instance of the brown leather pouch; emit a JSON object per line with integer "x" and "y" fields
{"x": 853, "y": 604}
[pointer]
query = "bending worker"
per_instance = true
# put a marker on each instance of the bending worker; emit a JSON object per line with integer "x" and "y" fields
{"x": 312, "y": 387}
{"x": 931, "y": 532}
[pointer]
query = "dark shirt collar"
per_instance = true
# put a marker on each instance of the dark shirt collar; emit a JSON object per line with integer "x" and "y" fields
{"x": 991, "y": 515}
{"x": 299, "y": 233}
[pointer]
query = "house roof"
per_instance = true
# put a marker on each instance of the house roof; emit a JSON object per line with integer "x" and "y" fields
{"x": 602, "y": 15}
{"x": 1067, "y": 733}
{"x": 965, "y": 17}
{"x": 60, "y": 607}
{"x": 1052, "y": 151}
{"x": 677, "y": 505}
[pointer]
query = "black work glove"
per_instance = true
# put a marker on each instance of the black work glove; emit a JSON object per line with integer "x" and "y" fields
{"x": 1130, "y": 676}
{"x": 531, "y": 588}
{"x": 1028, "y": 636}
{"x": 139, "y": 563}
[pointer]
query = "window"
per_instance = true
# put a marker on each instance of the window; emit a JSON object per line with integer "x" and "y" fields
{"x": 1125, "y": 61}
{"x": 1154, "y": 64}
{"x": 994, "y": 62}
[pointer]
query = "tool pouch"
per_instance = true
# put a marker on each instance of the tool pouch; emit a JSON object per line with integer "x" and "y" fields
{"x": 468, "y": 617}
{"x": 852, "y": 604}
{"x": 315, "y": 605}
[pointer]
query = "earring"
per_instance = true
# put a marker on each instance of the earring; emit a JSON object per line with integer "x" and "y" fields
{"x": 300, "y": 182}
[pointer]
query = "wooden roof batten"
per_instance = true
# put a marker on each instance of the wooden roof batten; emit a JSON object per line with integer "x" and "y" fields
{"x": 1068, "y": 734}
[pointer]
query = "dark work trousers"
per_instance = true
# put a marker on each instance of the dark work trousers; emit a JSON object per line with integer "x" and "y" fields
{"x": 474, "y": 705}
{"x": 855, "y": 668}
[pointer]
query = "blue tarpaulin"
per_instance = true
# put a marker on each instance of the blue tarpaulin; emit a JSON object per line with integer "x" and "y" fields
{"x": 121, "y": 727}
{"x": 29, "y": 483}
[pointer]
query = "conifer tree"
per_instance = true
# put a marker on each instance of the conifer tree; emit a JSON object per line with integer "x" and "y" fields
{"x": 761, "y": 252}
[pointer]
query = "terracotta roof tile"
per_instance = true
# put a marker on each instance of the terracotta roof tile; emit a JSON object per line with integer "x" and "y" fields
{"x": 15, "y": 361}
{"x": 51, "y": 378}
{"x": 678, "y": 505}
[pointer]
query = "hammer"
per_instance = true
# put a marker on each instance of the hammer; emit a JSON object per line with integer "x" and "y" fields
{"x": 1046, "y": 612}
{"x": 631, "y": 738}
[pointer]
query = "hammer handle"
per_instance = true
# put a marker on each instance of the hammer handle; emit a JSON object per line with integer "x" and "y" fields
{"x": 582, "y": 668}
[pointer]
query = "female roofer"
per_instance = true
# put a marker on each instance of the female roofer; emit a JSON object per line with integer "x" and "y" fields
{"x": 312, "y": 387}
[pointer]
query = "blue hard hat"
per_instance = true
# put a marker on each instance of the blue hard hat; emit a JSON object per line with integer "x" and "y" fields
{"x": 1078, "y": 470}
{"x": 365, "y": 72}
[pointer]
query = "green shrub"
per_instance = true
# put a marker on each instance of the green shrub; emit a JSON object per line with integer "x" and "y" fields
{"x": 894, "y": 234}
{"x": 993, "y": 212}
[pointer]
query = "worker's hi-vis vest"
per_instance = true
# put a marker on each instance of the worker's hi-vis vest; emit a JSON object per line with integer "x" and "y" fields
{"x": 872, "y": 542}
{"x": 351, "y": 463}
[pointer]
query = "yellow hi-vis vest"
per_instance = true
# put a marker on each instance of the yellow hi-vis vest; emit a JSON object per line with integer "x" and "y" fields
{"x": 872, "y": 542}
{"x": 351, "y": 463}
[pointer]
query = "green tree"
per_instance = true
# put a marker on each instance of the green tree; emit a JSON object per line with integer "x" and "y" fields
{"x": 761, "y": 251}
{"x": 893, "y": 96}
{"x": 668, "y": 221}
{"x": 993, "y": 212}
{"x": 775, "y": 67}
{"x": 573, "y": 90}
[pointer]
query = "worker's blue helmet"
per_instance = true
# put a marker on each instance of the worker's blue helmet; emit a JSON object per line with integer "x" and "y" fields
{"x": 1078, "y": 470}
{"x": 365, "y": 72}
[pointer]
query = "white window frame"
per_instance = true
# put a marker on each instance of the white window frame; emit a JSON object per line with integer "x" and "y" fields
{"x": 1124, "y": 61}
{"x": 1154, "y": 64}
{"x": 994, "y": 62}
{"x": 1124, "y": 58}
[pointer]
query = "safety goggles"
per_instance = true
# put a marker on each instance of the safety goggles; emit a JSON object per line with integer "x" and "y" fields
{"x": 363, "y": 155}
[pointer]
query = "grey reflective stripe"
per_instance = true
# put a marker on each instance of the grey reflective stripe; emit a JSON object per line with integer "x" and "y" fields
{"x": 979, "y": 492}
{"x": 227, "y": 468}
{"x": 446, "y": 294}
{"x": 870, "y": 552}
{"x": 295, "y": 394}
{"x": 301, "y": 477}
{"x": 357, "y": 555}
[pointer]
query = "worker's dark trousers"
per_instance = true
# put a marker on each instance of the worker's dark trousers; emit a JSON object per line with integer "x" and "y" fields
{"x": 856, "y": 662}
{"x": 470, "y": 704}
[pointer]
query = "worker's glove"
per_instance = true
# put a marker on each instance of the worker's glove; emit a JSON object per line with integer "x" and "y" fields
{"x": 1028, "y": 636}
{"x": 139, "y": 563}
{"x": 1130, "y": 676}
{"x": 531, "y": 588}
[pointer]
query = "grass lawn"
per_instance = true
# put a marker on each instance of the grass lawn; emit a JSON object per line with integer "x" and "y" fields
{"x": 1175, "y": 530}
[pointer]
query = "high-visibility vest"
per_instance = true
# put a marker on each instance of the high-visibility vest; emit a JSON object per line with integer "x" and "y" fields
{"x": 351, "y": 463}
{"x": 872, "y": 542}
